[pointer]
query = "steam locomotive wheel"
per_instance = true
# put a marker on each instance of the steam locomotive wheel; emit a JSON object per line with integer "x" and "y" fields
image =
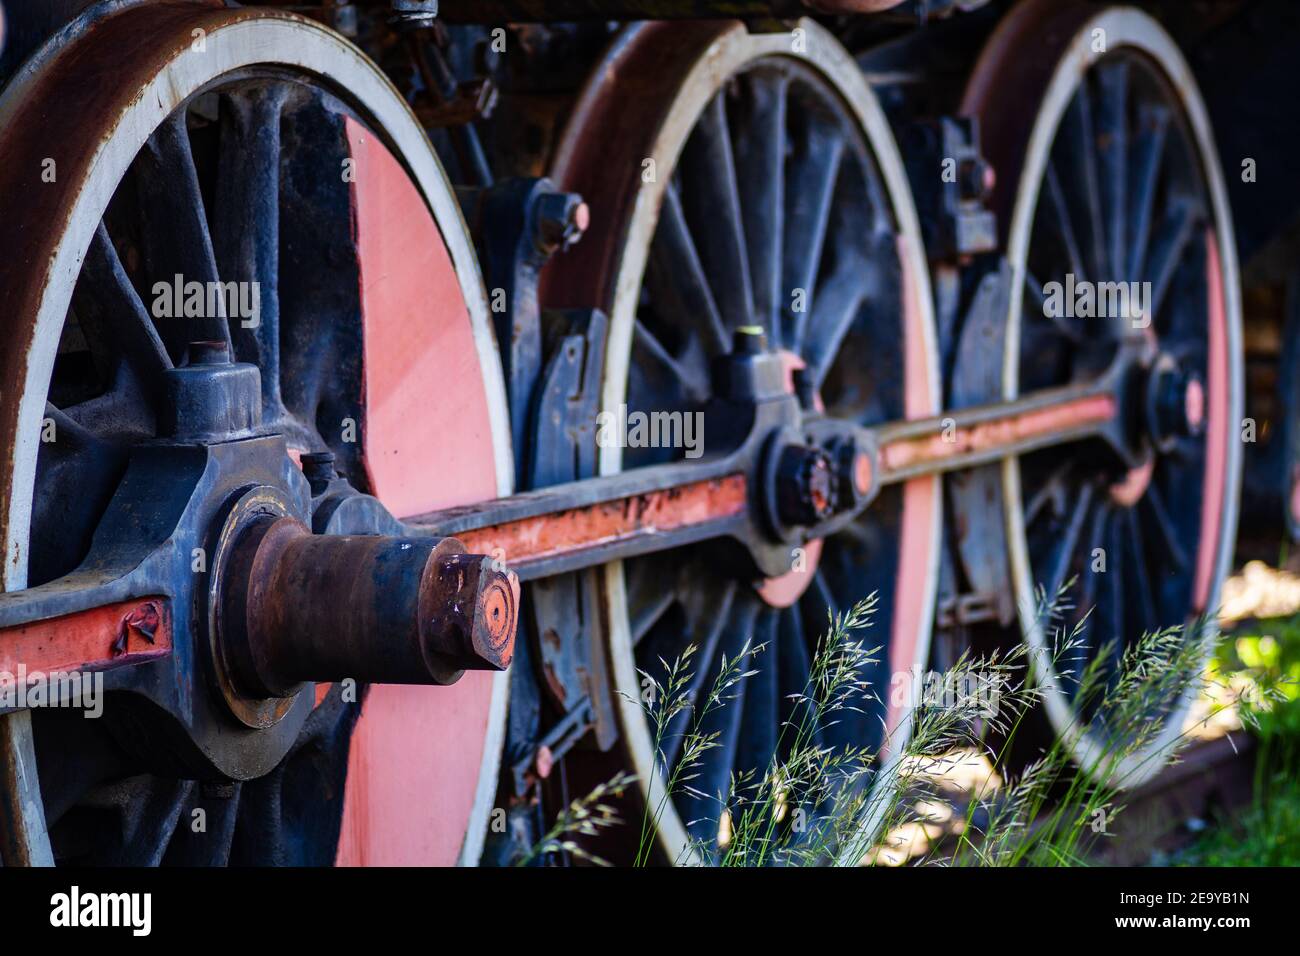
{"x": 766, "y": 191}
{"x": 258, "y": 149}
{"x": 1114, "y": 178}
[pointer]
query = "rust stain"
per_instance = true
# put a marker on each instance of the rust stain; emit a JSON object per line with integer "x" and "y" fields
{"x": 999, "y": 433}
{"x": 579, "y": 529}
{"x": 100, "y": 638}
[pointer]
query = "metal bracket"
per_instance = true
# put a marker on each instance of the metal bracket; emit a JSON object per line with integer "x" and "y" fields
{"x": 976, "y": 495}
{"x": 566, "y": 609}
{"x": 564, "y": 659}
{"x": 951, "y": 183}
{"x": 518, "y": 225}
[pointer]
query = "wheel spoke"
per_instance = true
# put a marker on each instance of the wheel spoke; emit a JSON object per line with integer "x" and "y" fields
{"x": 1034, "y": 292}
{"x": 814, "y": 170}
{"x": 246, "y": 227}
{"x": 177, "y": 241}
{"x": 713, "y": 775}
{"x": 822, "y": 588}
{"x": 1078, "y": 137}
{"x": 1160, "y": 514}
{"x": 701, "y": 677}
{"x": 1112, "y": 145}
{"x": 110, "y": 305}
{"x": 1069, "y": 541}
{"x": 795, "y": 666}
{"x": 837, "y": 304}
{"x": 148, "y": 815}
{"x": 760, "y": 156}
{"x": 1115, "y": 607}
{"x": 1167, "y": 249}
{"x": 1051, "y": 492}
{"x": 1060, "y": 211}
{"x": 1148, "y": 151}
{"x": 760, "y": 725}
{"x": 1088, "y": 582}
{"x": 1146, "y": 597}
{"x": 677, "y": 280}
{"x": 648, "y": 599}
{"x": 76, "y": 475}
{"x": 710, "y": 196}
{"x": 693, "y": 386}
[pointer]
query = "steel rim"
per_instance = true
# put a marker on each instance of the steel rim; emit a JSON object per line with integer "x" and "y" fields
{"x": 1135, "y": 43}
{"x": 237, "y": 41}
{"x": 735, "y": 56}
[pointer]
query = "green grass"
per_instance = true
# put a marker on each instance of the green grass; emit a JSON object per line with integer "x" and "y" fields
{"x": 813, "y": 806}
{"x": 1264, "y": 657}
{"x": 1266, "y": 834}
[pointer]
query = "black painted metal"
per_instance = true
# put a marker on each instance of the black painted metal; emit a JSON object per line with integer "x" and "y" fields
{"x": 816, "y": 222}
{"x": 1123, "y": 199}
{"x": 242, "y": 185}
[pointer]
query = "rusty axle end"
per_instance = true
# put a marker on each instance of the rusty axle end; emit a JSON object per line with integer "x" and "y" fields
{"x": 302, "y": 607}
{"x": 472, "y": 611}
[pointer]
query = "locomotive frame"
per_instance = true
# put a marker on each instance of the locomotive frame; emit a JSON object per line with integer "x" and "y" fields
{"x": 498, "y": 261}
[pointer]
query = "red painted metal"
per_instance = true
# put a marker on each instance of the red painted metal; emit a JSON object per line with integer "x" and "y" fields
{"x": 579, "y": 529}
{"x": 1217, "y": 426}
{"x": 784, "y": 590}
{"x": 1130, "y": 489}
{"x": 101, "y": 638}
{"x": 414, "y": 763}
{"x": 919, "y": 525}
{"x": 986, "y": 436}
{"x": 1194, "y": 404}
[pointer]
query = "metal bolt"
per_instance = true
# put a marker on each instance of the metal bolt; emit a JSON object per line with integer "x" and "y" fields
{"x": 299, "y": 607}
{"x": 805, "y": 389}
{"x": 749, "y": 340}
{"x": 474, "y": 604}
{"x": 853, "y": 470}
{"x": 975, "y": 179}
{"x": 1178, "y": 403}
{"x": 805, "y": 492}
{"x": 413, "y": 14}
{"x": 562, "y": 218}
{"x": 318, "y": 467}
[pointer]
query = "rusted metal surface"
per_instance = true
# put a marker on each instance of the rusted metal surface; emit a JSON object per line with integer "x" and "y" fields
{"x": 1007, "y": 86}
{"x": 124, "y": 633}
{"x": 575, "y": 530}
{"x": 370, "y": 608}
{"x": 644, "y": 66}
{"x": 22, "y": 819}
{"x": 1012, "y": 431}
{"x": 104, "y": 80}
{"x": 153, "y": 39}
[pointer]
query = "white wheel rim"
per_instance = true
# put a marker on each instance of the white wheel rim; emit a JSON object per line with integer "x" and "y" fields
{"x": 1132, "y": 29}
{"x": 257, "y": 39}
{"x": 732, "y": 52}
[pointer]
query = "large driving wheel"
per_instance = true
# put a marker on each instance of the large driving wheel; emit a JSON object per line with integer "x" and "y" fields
{"x": 159, "y": 144}
{"x": 737, "y": 180}
{"x": 1112, "y": 177}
